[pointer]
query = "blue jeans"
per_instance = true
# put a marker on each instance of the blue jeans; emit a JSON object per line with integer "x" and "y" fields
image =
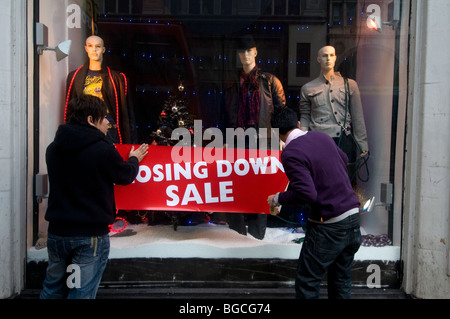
{"x": 328, "y": 248}
{"x": 87, "y": 258}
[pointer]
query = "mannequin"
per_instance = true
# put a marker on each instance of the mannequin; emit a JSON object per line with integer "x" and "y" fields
{"x": 250, "y": 97}
{"x": 94, "y": 78}
{"x": 323, "y": 107}
{"x": 271, "y": 93}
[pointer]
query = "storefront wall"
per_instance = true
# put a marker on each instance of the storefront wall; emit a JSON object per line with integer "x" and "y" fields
{"x": 426, "y": 218}
{"x": 13, "y": 147}
{"x": 378, "y": 61}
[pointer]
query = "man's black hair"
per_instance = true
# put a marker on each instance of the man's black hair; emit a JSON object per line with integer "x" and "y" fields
{"x": 284, "y": 119}
{"x": 81, "y": 107}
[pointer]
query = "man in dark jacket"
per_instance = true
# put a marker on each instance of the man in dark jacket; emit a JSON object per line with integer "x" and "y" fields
{"x": 249, "y": 99}
{"x": 83, "y": 166}
{"x": 316, "y": 169}
{"x": 94, "y": 78}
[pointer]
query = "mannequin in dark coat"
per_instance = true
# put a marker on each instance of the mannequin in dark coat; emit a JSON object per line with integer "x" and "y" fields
{"x": 249, "y": 100}
{"x": 94, "y": 78}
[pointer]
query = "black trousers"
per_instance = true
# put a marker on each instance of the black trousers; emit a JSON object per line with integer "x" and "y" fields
{"x": 256, "y": 223}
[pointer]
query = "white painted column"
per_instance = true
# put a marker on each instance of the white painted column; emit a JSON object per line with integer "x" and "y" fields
{"x": 13, "y": 146}
{"x": 427, "y": 166}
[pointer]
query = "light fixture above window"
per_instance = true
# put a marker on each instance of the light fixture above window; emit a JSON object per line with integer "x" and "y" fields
{"x": 61, "y": 50}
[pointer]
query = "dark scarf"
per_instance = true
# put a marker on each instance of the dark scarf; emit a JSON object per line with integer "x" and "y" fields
{"x": 249, "y": 98}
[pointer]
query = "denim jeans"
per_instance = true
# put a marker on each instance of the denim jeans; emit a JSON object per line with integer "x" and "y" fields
{"x": 328, "y": 248}
{"x": 87, "y": 256}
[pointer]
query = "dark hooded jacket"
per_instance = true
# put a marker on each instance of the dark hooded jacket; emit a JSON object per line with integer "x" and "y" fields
{"x": 83, "y": 166}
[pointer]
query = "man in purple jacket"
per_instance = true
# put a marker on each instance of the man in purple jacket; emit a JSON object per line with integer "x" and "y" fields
{"x": 318, "y": 177}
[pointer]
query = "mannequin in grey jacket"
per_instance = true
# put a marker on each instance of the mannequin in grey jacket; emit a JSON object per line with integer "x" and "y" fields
{"x": 323, "y": 107}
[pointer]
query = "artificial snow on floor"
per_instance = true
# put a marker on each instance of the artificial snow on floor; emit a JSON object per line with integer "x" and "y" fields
{"x": 210, "y": 240}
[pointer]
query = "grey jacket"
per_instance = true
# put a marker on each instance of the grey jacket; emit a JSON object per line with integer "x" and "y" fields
{"x": 322, "y": 108}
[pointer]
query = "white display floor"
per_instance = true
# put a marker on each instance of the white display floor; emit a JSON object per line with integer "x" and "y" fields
{"x": 210, "y": 240}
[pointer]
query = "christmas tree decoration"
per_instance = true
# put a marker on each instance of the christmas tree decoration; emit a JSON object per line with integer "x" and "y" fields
{"x": 175, "y": 114}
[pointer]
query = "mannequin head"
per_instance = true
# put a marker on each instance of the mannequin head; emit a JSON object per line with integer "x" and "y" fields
{"x": 248, "y": 58}
{"x": 247, "y": 53}
{"x": 327, "y": 59}
{"x": 95, "y": 49}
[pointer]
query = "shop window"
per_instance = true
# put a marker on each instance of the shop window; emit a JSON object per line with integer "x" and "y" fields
{"x": 193, "y": 43}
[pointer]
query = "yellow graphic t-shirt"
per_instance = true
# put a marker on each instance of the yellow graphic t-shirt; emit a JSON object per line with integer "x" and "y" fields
{"x": 93, "y": 84}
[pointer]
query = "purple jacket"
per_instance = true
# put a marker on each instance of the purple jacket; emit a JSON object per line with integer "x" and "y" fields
{"x": 317, "y": 173}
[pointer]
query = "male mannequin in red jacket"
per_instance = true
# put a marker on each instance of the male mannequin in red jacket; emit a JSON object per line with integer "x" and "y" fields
{"x": 94, "y": 78}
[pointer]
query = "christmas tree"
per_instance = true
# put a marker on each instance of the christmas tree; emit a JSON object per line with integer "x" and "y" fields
{"x": 174, "y": 114}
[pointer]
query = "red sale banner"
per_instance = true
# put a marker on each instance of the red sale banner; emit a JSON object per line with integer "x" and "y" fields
{"x": 203, "y": 180}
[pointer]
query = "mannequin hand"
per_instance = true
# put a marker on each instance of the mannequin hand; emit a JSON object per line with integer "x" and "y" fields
{"x": 140, "y": 152}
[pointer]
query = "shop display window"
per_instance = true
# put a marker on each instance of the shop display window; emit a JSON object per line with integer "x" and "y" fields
{"x": 178, "y": 55}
